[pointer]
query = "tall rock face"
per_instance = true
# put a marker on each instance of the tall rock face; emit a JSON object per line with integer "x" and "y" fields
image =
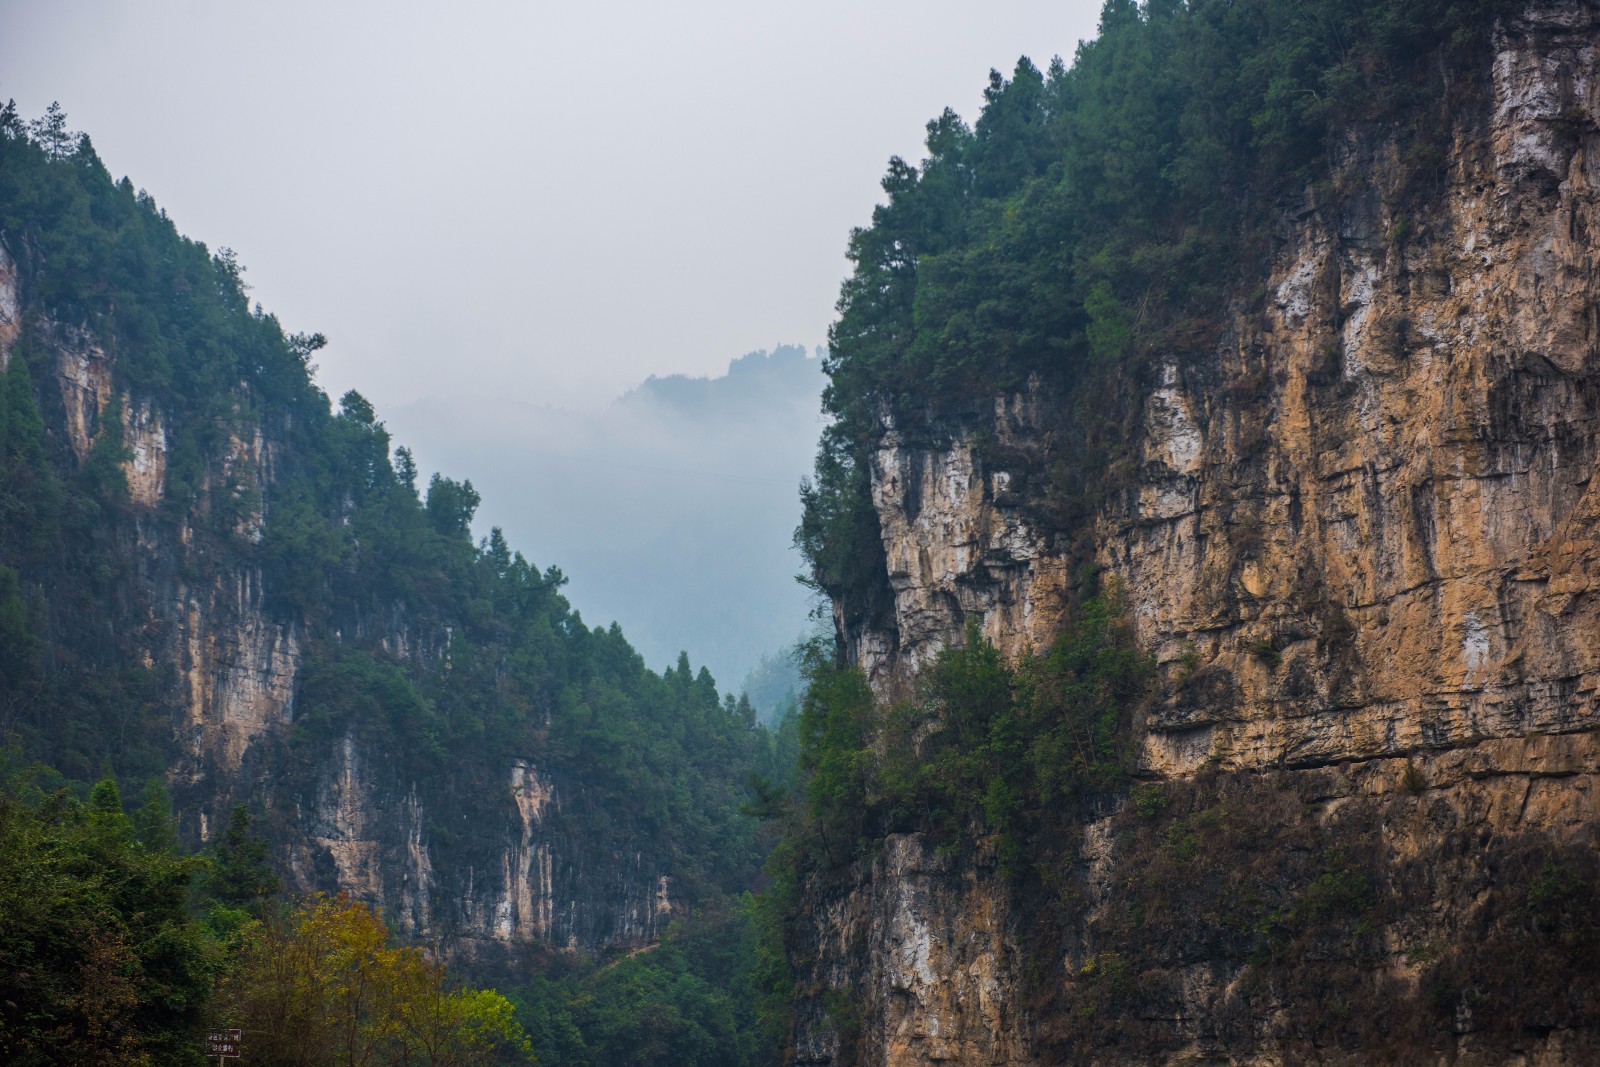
{"x": 1359, "y": 539}
{"x": 194, "y": 609}
{"x": 209, "y": 575}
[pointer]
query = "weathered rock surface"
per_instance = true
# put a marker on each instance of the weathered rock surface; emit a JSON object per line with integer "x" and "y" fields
{"x": 1360, "y": 540}
{"x": 198, "y": 614}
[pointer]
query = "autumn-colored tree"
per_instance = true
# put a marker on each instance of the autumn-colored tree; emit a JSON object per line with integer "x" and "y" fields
{"x": 320, "y": 986}
{"x": 427, "y": 1021}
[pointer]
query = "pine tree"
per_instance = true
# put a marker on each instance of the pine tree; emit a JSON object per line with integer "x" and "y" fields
{"x": 51, "y": 134}
{"x": 152, "y": 820}
{"x": 240, "y": 873}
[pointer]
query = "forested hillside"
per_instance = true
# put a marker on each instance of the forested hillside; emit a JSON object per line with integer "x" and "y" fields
{"x": 209, "y": 574}
{"x": 1097, "y": 220}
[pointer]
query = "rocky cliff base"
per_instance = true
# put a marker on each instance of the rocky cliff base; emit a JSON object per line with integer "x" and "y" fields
{"x": 1443, "y": 908}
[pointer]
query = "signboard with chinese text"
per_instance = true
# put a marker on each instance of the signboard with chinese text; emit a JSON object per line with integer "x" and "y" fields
{"x": 224, "y": 1042}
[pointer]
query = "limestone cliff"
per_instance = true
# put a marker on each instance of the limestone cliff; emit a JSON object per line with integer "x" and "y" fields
{"x": 198, "y": 612}
{"x": 1360, "y": 541}
{"x": 183, "y": 549}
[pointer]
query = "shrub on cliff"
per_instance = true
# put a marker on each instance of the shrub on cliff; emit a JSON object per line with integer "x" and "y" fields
{"x": 987, "y": 748}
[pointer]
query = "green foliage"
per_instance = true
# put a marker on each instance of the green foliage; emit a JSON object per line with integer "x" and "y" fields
{"x": 240, "y": 872}
{"x": 685, "y": 1001}
{"x": 1267, "y": 652}
{"x": 346, "y": 688}
{"x": 1562, "y": 905}
{"x": 102, "y": 470}
{"x": 451, "y": 505}
{"x": 152, "y": 820}
{"x": 101, "y": 960}
{"x": 1149, "y": 800}
{"x": 1412, "y": 778}
{"x": 838, "y": 532}
{"x": 18, "y": 644}
{"x": 987, "y": 747}
{"x": 837, "y": 724}
{"x": 30, "y": 497}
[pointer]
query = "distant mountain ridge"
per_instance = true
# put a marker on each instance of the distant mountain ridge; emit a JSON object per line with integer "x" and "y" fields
{"x": 754, "y": 385}
{"x": 672, "y": 509}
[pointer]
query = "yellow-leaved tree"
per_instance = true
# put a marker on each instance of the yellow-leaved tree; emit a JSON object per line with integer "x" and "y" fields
{"x": 320, "y": 986}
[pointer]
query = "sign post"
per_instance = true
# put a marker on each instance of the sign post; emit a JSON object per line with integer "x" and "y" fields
{"x": 224, "y": 1044}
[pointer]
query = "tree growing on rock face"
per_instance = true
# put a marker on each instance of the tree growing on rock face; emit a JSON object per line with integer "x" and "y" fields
{"x": 240, "y": 873}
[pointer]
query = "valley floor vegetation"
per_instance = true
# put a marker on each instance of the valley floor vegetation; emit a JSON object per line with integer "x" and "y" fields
{"x": 120, "y": 947}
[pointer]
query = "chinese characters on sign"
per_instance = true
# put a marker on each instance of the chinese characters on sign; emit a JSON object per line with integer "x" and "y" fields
{"x": 221, "y": 1043}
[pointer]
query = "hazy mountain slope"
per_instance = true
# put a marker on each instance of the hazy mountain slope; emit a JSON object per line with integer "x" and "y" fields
{"x": 209, "y": 573}
{"x": 672, "y": 510}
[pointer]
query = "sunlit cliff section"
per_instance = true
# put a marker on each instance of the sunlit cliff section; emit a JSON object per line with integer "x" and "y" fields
{"x": 1332, "y": 460}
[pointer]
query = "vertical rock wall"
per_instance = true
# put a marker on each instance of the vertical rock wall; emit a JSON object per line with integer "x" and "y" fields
{"x": 1360, "y": 540}
{"x": 193, "y": 607}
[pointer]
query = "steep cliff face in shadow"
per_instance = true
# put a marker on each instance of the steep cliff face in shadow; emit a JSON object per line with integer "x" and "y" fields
{"x": 236, "y": 587}
{"x": 1359, "y": 541}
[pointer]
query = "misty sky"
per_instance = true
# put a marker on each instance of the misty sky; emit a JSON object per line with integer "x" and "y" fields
{"x": 505, "y": 215}
{"x": 543, "y": 200}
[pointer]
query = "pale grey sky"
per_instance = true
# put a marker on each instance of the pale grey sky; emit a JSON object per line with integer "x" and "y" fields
{"x": 529, "y": 199}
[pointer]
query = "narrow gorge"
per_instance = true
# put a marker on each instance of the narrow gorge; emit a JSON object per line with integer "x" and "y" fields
{"x": 1205, "y": 537}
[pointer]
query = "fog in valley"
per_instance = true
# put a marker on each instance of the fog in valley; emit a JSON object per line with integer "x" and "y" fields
{"x": 505, "y": 217}
{"x": 670, "y": 510}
